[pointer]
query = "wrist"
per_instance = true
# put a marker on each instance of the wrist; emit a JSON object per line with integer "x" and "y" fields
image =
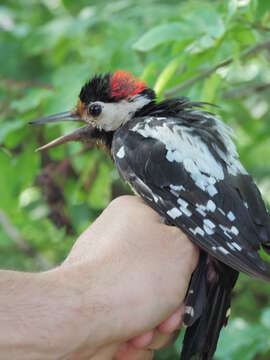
{"x": 56, "y": 307}
{"x": 37, "y": 312}
{"x": 88, "y": 306}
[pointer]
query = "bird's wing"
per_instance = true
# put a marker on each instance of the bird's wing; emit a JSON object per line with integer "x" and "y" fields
{"x": 197, "y": 186}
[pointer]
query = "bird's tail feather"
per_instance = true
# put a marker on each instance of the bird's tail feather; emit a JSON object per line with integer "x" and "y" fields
{"x": 202, "y": 335}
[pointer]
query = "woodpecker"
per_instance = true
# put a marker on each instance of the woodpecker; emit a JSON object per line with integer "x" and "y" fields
{"x": 181, "y": 160}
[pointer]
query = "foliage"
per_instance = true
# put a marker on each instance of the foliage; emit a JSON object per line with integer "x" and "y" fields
{"x": 214, "y": 51}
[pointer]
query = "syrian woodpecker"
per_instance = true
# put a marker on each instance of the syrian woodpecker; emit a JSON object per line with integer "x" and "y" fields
{"x": 181, "y": 160}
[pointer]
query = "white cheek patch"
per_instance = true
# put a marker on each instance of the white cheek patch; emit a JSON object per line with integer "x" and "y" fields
{"x": 117, "y": 114}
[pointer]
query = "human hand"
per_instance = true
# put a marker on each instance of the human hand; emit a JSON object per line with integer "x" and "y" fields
{"x": 131, "y": 271}
{"x": 142, "y": 347}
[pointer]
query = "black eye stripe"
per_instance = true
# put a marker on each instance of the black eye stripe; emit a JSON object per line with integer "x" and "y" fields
{"x": 95, "y": 110}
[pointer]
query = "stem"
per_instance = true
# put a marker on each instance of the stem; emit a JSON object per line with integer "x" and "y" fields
{"x": 245, "y": 92}
{"x": 20, "y": 84}
{"x": 245, "y": 54}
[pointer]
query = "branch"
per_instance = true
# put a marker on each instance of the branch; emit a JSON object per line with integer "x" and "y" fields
{"x": 245, "y": 92}
{"x": 245, "y": 54}
{"x": 92, "y": 177}
{"x": 21, "y": 244}
{"x": 258, "y": 26}
{"x": 25, "y": 84}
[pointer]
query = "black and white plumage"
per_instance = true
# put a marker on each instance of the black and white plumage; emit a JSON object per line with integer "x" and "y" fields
{"x": 182, "y": 162}
{"x": 186, "y": 167}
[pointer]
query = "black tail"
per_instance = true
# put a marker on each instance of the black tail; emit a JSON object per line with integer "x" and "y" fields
{"x": 208, "y": 305}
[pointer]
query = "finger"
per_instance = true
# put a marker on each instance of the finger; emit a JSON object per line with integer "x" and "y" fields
{"x": 106, "y": 353}
{"x": 165, "y": 333}
{"x": 174, "y": 322}
{"x": 142, "y": 341}
{"x": 128, "y": 352}
{"x": 162, "y": 340}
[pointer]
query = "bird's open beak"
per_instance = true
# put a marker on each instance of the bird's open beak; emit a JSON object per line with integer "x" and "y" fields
{"x": 84, "y": 133}
{"x": 63, "y": 116}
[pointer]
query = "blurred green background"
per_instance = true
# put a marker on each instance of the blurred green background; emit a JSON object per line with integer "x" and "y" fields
{"x": 216, "y": 51}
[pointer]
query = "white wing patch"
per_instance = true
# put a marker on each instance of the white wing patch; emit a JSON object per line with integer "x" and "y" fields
{"x": 188, "y": 149}
{"x": 231, "y": 216}
{"x": 234, "y": 166}
{"x": 208, "y": 226}
{"x": 177, "y": 187}
{"x": 183, "y": 207}
{"x": 174, "y": 213}
{"x": 121, "y": 152}
{"x": 229, "y": 231}
{"x": 185, "y": 148}
{"x": 189, "y": 310}
{"x": 197, "y": 230}
{"x": 211, "y": 206}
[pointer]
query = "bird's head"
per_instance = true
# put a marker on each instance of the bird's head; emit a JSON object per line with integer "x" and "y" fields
{"x": 105, "y": 103}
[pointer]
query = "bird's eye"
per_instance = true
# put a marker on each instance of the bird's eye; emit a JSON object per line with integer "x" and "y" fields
{"x": 94, "y": 110}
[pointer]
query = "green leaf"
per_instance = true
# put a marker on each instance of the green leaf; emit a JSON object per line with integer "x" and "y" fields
{"x": 31, "y": 100}
{"x": 209, "y": 92}
{"x": 166, "y": 75}
{"x": 8, "y": 127}
{"x": 250, "y": 339}
{"x": 67, "y": 82}
{"x": 263, "y": 6}
{"x": 265, "y": 319}
{"x": 163, "y": 33}
{"x": 204, "y": 24}
{"x": 100, "y": 192}
{"x": 231, "y": 9}
{"x": 75, "y": 6}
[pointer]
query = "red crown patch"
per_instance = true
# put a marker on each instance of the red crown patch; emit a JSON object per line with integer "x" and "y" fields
{"x": 124, "y": 85}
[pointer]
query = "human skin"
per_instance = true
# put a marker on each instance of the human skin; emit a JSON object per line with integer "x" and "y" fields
{"x": 119, "y": 291}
